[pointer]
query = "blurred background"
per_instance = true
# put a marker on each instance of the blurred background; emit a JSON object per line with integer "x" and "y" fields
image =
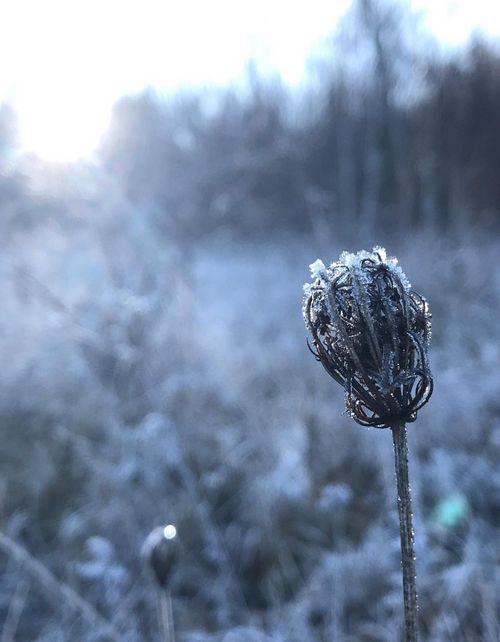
{"x": 167, "y": 173}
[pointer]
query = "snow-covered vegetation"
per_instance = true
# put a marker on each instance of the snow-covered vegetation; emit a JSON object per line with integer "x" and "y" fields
{"x": 155, "y": 370}
{"x": 148, "y": 387}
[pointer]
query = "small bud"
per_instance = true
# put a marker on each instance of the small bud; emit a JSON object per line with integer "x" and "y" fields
{"x": 160, "y": 552}
{"x": 371, "y": 333}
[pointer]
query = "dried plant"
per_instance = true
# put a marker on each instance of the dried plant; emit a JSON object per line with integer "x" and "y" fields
{"x": 160, "y": 553}
{"x": 60, "y": 592}
{"x": 371, "y": 333}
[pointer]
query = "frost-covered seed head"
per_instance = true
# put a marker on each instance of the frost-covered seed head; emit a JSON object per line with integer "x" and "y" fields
{"x": 160, "y": 552}
{"x": 371, "y": 332}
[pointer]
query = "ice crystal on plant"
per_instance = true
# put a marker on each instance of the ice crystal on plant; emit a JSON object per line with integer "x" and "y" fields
{"x": 371, "y": 332}
{"x": 318, "y": 269}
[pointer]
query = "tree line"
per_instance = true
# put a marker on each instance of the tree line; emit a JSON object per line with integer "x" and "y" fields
{"x": 391, "y": 137}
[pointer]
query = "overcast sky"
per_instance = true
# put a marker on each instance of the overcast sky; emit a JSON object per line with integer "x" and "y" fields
{"x": 63, "y": 63}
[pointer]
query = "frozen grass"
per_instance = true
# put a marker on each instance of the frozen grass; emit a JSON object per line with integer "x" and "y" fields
{"x": 141, "y": 385}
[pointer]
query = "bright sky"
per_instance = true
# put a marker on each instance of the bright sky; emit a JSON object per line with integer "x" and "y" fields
{"x": 63, "y": 63}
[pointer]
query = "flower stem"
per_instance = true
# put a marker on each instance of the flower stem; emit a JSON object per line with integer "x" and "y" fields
{"x": 406, "y": 531}
{"x": 165, "y": 616}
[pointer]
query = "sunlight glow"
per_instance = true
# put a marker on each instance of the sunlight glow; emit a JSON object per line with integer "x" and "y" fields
{"x": 64, "y": 63}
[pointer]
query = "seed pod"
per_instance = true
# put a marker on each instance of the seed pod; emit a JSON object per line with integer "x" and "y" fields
{"x": 371, "y": 333}
{"x": 160, "y": 552}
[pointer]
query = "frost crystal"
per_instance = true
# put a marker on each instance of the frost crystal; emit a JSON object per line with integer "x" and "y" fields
{"x": 318, "y": 269}
{"x": 371, "y": 332}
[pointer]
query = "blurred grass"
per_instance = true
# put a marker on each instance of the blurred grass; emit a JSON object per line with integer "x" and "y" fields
{"x": 177, "y": 387}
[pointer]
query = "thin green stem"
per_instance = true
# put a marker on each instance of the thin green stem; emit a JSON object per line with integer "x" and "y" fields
{"x": 406, "y": 531}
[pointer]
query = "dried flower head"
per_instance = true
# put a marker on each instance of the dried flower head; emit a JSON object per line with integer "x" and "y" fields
{"x": 371, "y": 332}
{"x": 160, "y": 552}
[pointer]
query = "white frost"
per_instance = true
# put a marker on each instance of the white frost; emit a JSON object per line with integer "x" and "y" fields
{"x": 354, "y": 262}
{"x": 317, "y": 269}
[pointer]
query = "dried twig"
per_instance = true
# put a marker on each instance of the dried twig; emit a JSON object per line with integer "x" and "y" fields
{"x": 58, "y": 589}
